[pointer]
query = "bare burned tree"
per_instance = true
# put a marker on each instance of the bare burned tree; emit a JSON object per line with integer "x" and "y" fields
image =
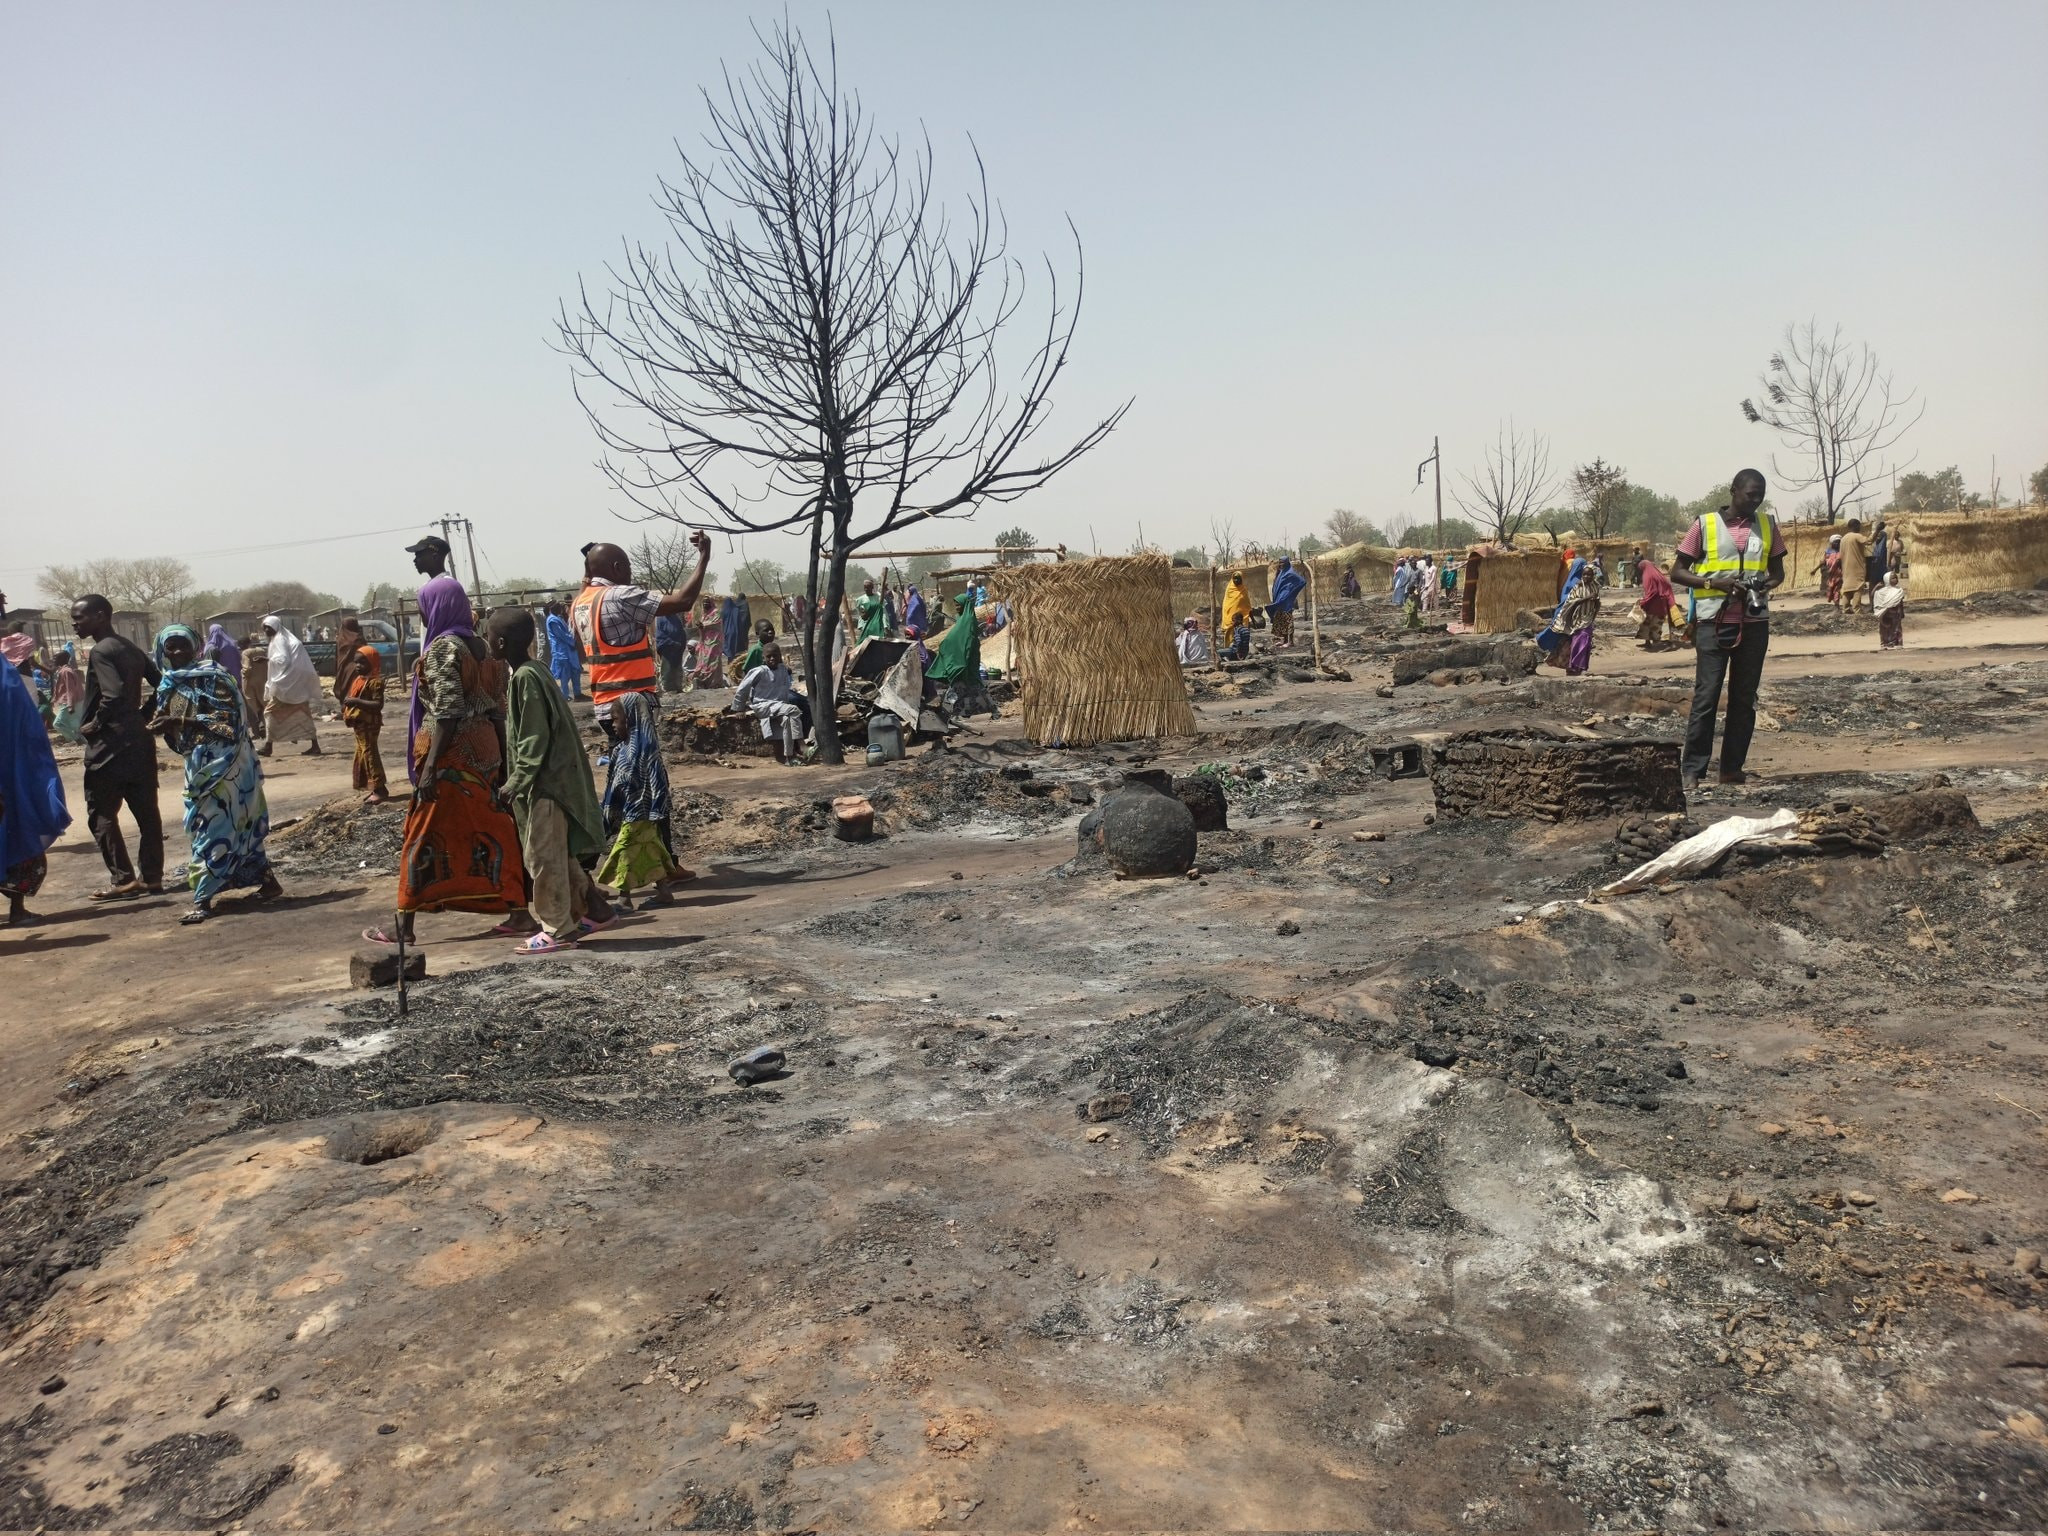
{"x": 1510, "y": 486}
{"x": 816, "y": 347}
{"x": 1223, "y": 540}
{"x": 1831, "y": 402}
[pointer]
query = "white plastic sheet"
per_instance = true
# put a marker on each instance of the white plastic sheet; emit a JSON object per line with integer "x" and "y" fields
{"x": 1703, "y": 850}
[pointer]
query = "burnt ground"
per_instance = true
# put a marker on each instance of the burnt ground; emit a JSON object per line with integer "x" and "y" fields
{"x": 1372, "y": 1179}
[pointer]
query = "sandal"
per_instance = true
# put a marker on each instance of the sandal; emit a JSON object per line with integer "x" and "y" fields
{"x": 196, "y": 915}
{"x": 128, "y": 892}
{"x": 379, "y": 936}
{"x": 512, "y": 931}
{"x": 541, "y": 944}
{"x": 588, "y": 927}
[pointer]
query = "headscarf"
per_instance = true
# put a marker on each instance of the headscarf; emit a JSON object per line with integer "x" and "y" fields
{"x": 959, "y": 652}
{"x": 222, "y": 650}
{"x": 913, "y": 608}
{"x": 444, "y": 610}
{"x": 32, "y": 810}
{"x": 17, "y": 648}
{"x": 1554, "y": 632}
{"x": 293, "y": 678}
{"x": 1287, "y": 586}
{"x": 733, "y": 615}
{"x": 167, "y": 633}
{"x": 1888, "y": 594}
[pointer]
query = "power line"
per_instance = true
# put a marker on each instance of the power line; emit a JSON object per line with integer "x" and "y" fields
{"x": 263, "y": 549}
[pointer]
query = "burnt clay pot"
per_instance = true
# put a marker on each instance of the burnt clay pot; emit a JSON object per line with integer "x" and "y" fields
{"x": 1147, "y": 832}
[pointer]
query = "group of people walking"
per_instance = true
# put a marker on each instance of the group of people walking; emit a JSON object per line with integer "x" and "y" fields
{"x": 127, "y": 700}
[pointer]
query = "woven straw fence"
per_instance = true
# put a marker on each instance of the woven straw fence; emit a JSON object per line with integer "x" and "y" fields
{"x": 1093, "y": 645}
{"x": 1948, "y": 554}
{"x": 1510, "y": 581}
{"x": 1193, "y": 584}
{"x": 1371, "y": 564}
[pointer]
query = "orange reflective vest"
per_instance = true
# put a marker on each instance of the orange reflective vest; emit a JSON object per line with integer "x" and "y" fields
{"x": 614, "y": 669}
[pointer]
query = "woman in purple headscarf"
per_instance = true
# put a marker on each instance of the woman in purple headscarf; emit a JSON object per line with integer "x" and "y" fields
{"x": 222, "y": 651}
{"x": 444, "y": 610}
{"x": 461, "y": 849}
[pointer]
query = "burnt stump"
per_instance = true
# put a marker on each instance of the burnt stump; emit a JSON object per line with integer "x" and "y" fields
{"x": 1521, "y": 773}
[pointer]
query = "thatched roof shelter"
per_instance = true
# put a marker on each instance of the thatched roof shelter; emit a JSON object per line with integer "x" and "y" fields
{"x": 1092, "y": 644}
{"x": 1498, "y": 585}
{"x": 1948, "y": 554}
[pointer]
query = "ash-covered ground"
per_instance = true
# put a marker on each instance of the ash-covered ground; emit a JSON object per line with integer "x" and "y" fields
{"x": 1369, "y": 1178}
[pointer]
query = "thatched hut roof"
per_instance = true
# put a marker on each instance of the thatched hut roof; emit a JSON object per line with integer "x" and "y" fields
{"x": 1092, "y": 644}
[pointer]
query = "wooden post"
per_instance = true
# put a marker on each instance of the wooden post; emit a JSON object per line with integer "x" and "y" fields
{"x": 1315, "y": 616}
{"x": 1215, "y": 623}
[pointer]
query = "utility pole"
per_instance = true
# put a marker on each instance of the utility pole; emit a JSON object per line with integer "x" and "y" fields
{"x": 448, "y": 525}
{"x": 1436, "y": 457}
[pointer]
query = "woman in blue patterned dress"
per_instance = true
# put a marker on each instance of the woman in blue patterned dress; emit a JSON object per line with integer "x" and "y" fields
{"x": 201, "y": 716}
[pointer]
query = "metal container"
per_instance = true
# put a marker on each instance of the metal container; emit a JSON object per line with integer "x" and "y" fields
{"x": 885, "y": 735}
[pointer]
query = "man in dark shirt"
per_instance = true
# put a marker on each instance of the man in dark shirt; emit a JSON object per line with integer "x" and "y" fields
{"x": 120, "y": 753}
{"x": 1732, "y": 560}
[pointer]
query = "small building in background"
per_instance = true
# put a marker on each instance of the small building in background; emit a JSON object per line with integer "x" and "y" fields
{"x": 239, "y": 623}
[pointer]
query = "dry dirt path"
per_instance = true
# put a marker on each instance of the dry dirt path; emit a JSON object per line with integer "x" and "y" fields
{"x": 530, "y": 1261}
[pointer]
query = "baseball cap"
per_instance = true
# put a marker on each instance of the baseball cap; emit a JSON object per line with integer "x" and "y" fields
{"x": 432, "y": 541}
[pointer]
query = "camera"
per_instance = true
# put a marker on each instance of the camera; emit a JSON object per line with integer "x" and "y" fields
{"x": 1754, "y": 588}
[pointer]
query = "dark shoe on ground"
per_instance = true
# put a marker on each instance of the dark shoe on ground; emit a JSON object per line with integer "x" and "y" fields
{"x": 1733, "y": 776}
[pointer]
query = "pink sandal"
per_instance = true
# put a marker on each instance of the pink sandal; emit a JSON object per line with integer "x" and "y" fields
{"x": 541, "y": 944}
{"x": 590, "y": 927}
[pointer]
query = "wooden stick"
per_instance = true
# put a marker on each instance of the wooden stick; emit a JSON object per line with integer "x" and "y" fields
{"x": 1215, "y": 623}
{"x": 1315, "y": 617}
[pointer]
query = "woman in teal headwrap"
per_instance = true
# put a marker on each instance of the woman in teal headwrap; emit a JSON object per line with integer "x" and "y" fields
{"x": 199, "y": 711}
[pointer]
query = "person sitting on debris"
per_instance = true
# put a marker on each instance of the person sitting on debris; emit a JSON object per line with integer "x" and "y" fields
{"x": 1287, "y": 589}
{"x": 1191, "y": 644}
{"x": 1349, "y": 587}
{"x": 550, "y": 793}
{"x": 769, "y": 693}
{"x": 1237, "y": 619}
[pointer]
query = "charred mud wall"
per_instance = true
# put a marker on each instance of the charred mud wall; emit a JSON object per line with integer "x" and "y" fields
{"x": 1505, "y": 774}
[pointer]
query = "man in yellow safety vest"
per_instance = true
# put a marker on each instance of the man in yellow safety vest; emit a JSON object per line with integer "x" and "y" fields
{"x": 1731, "y": 559}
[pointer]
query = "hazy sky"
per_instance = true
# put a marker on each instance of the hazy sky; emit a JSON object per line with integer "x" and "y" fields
{"x": 286, "y": 272}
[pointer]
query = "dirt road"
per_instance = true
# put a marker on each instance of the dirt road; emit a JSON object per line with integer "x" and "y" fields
{"x": 1419, "y": 1192}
